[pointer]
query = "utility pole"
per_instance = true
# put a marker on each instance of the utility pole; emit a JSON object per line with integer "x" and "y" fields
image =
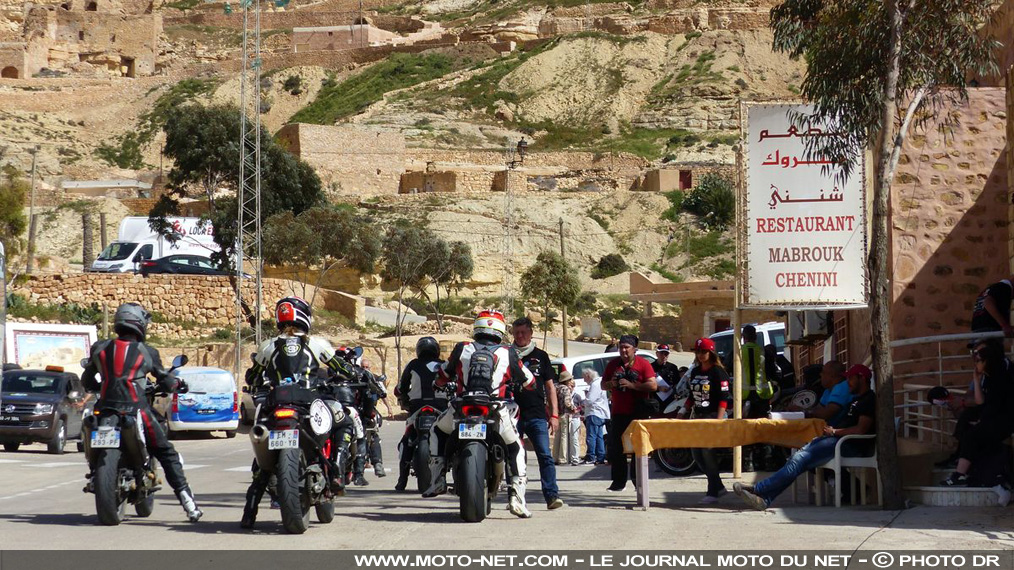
{"x": 31, "y": 216}
{"x": 563, "y": 309}
{"x": 362, "y": 29}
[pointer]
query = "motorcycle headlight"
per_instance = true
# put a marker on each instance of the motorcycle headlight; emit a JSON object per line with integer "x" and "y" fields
{"x": 43, "y": 408}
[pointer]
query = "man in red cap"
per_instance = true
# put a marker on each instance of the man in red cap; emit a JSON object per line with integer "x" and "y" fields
{"x": 860, "y": 419}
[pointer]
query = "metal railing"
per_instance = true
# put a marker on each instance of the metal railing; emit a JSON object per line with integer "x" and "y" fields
{"x": 948, "y": 364}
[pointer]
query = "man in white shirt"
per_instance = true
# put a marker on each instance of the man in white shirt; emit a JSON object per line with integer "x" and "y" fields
{"x": 596, "y": 411}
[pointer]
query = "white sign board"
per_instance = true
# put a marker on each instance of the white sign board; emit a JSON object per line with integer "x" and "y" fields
{"x": 805, "y": 238}
{"x": 38, "y": 345}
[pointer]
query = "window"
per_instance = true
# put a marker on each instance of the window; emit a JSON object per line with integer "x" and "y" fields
{"x": 112, "y": 38}
{"x": 146, "y": 251}
{"x": 118, "y": 251}
{"x": 80, "y": 36}
{"x": 92, "y": 7}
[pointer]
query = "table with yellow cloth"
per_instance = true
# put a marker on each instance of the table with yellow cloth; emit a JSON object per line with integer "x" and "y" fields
{"x": 645, "y": 436}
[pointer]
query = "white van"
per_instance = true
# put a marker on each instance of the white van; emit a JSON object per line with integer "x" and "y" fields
{"x": 767, "y": 333}
{"x": 136, "y": 243}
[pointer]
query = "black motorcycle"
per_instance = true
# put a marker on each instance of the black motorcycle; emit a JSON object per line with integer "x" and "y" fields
{"x": 291, "y": 440}
{"x": 416, "y": 442}
{"x": 121, "y": 470}
{"x": 476, "y": 455}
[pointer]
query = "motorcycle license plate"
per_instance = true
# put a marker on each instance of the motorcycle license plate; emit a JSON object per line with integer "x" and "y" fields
{"x": 283, "y": 439}
{"x": 105, "y": 439}
{"x": 471, "y": 431}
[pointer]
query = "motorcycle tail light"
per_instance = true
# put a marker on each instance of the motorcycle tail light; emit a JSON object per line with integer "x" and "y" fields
{"x": 284, "y": 413}
{"x": 176, "y": 403}
{"x": 474, "y": 410}
{"x": 427, "y": 410}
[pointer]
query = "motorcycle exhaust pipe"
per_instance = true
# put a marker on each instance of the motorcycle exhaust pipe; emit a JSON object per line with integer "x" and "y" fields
{"x": 259, "y": 440}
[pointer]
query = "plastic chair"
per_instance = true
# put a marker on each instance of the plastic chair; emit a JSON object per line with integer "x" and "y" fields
{"x": 836, "y": 464}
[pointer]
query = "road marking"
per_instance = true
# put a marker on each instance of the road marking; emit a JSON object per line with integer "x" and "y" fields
{"x": 12, "y": 460}
{"x": 195, "y": 466}
{"x": 238, "y": 469}
{"x": 61, "y": 464}
{"x": 40, "y": 489}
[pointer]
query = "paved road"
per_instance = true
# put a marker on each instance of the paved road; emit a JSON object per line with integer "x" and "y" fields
{"x": 42, "y": 507}
{"x": 387, "y": 317}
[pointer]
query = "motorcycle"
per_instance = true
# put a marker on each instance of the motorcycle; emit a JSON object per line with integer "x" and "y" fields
{"x": 291, "y": 440}
{"x": 121, "y": 470}
{"x": 477, "y": 456}
{"x": 416, "y": 442}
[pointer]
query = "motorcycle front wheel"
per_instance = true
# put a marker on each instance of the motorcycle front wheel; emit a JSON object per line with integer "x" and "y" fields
{"x": 146, "y": 506}
{"x": 678, "y": 462}
{"x": 295, "y": 511}
{"x": 108, "y": 504}
{"x": 470, "y": 482}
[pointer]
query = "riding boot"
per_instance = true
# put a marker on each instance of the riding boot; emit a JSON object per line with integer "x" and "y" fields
{"x": 186, "y": 498}
{"x": 404, "y": 467}
{"x": 357, "y": 470}
{"x": 438, "y": 477}
{"x": 253, "y": 499}
{"x": 516, "y": 504}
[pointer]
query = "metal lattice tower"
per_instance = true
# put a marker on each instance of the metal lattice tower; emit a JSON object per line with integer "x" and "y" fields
{"x": 507, "y": 284}
{"x": 248, "y": 191}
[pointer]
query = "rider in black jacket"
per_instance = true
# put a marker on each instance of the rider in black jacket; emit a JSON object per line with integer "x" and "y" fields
{"x": 124, "y": 364}
{"x": 414, "y": 390}
{"x": 295, "y": 353}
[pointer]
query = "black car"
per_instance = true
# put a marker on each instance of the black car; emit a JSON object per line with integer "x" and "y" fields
{"x": 41, "y": 406}
{"x": 181, "y": 264}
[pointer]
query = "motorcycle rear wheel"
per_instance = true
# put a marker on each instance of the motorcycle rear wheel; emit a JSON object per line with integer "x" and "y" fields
{"x": 470, "y": 482}
{"x": 422, "y": 463}
{"x": 295, "y": 511}
{"x": 678, "y": 462}
{"x": 108, "y": 504}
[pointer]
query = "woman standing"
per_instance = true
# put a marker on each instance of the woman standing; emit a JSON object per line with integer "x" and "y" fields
{"x": 712, "y": 398}
{"x": 565, "y": 400}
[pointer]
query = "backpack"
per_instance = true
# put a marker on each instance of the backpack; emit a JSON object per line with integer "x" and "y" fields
{"x": 480, "y": 368}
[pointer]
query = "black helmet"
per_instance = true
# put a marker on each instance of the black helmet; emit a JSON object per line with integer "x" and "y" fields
{"x": 344, "y": 394}
{"x": 427, "y": 348}
{"x": 131, "y": 318}
{"x": 293, "y": 311}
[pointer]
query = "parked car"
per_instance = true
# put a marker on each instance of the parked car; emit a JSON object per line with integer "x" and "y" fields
{"x": 41, "y": 406}
{"x": 183, "y": 264}
{"x": 576, "y": 365}
{"x": 211, "y": 404}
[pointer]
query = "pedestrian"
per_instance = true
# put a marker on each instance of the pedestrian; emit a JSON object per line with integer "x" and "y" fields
{"x": 563, "y": 452}
{"x": 535, "y": 405}
{"x": 596, "y": 411}
{"x": 630, "y": 381}
{"x": 992, "y": 308}
{"x": 711, "y": 399}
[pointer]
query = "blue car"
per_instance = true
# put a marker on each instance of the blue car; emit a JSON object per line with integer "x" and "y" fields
{"x": 212, "y": 404}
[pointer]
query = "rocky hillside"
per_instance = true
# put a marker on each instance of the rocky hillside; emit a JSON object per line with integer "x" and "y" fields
{"x": 606, "y": 78}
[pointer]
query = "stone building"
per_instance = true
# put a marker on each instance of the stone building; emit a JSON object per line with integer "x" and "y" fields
{"x": 683, "y": 176}
{"x": 339, "y": 37}
{"x": 95, "y": 37}
{"x": 348, "y": 159}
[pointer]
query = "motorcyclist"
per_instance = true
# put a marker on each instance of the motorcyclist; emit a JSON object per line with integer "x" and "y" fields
{"x": 291, "y": 354}
{"x": 372, "y": 420}
{"x": 488, "y": 332}
{"x": 124, "y": 364}
{"x": 362, "y": 408}
{"x": 414, "y": 390}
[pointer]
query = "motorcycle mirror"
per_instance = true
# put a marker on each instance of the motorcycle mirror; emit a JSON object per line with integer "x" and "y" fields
{"x": 180, "y": 360}
{"x": 84, "y": 362}
{"x": 357, "y": 351}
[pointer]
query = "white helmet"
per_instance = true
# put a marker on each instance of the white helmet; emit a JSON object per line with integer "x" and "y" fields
{"x": 490, "y": 323}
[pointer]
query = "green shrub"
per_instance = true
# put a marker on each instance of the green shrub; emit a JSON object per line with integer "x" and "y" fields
{"x": 293, "y": 84}
{"x": 713, "y": 201}
{"x": 585, "y": 303}
{"x": 609, "y": 265}
{"x": 19, "y": 307}
{"x": 675, "y": 198}
{"x": 674, "y": 277}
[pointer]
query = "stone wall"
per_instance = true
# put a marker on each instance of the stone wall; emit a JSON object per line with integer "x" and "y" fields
{"x": 200, "y": 299}
{"x": 950, "y": 218}
{"x": 417, "y": 182}
{"x": 301, "y": 19}
{"x": 349, "y": 159}
{"x": 12, "y": 61}
{"x": 661, "y": 330}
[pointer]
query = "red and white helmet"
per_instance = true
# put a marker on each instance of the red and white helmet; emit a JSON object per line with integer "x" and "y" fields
{"x": 293, "y": 311}
{"x": 491, "y": 323}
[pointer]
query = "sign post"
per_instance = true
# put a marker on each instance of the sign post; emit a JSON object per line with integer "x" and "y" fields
{"x": 3, "y": 304}
{"x": 804, "y": 228}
